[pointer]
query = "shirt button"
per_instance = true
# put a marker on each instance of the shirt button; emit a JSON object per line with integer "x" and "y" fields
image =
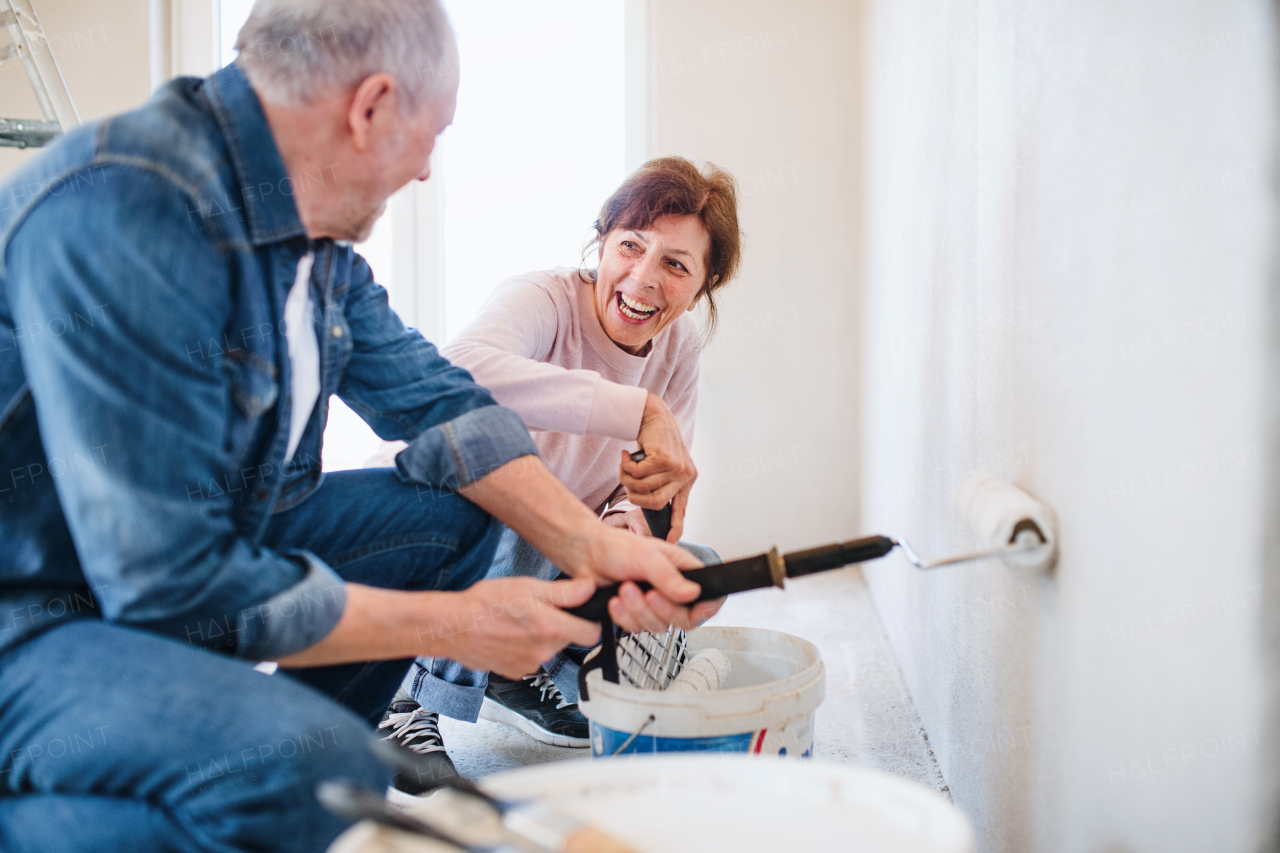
{"x": 337, "y": 331}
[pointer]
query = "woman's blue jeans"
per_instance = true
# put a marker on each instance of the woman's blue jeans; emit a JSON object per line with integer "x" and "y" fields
{"x": 449, "y": 688}
{"x": 116, "y": 739}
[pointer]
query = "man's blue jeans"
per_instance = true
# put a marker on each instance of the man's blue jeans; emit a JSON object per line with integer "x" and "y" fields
{"x": 447, "y": 687}
{"x": 114, "y": 739}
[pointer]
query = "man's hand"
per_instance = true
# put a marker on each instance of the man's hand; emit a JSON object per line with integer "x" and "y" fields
{"x": 623, "y": 556}
{"x": 633, "y": 521}
{"x": 512, "y": 625}
{"x": 667, "y": 473}
{"x": 525, "y": 496}
{"x": 509, "y": 626}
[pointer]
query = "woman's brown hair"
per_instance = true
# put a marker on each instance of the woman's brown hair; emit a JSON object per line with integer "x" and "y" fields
{"x": 677, "y": 186}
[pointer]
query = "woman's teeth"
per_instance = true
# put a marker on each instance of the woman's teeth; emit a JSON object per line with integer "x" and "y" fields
{"x": 634, "y": 308}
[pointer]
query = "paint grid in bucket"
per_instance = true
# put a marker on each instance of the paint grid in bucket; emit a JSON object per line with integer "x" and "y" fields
{"x": 652, "y": 661}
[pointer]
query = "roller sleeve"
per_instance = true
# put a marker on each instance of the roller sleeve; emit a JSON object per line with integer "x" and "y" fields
{"x": 997, "y": 510}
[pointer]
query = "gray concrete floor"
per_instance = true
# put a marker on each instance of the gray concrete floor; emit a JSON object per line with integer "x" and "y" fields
{"x": 867, "y": 717}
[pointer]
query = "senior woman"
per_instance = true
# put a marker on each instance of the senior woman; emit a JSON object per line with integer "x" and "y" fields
{"x": 597, "y": 363}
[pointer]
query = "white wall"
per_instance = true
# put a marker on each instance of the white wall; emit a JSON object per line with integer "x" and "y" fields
{"x": 1069, "y": 213}
{"x": 769, "y": 91}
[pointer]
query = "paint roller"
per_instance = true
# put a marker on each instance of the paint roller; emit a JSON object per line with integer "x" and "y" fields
{"x": 707, "y": 672}
{"x": 1011, "y": 525}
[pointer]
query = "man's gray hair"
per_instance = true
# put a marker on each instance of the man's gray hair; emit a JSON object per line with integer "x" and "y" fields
{"x": 293, "y": 51}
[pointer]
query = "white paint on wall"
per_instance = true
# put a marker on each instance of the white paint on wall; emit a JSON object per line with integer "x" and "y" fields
{"x": 1069, "y": 212}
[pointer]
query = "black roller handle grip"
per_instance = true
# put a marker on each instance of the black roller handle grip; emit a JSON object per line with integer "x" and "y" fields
{"x": 596, "y": 608}
{"x": 714, "y": 581}
{"x": 659, "y": 520}
{"x": 826, "y": 557}
{"x": 751, "y": 572}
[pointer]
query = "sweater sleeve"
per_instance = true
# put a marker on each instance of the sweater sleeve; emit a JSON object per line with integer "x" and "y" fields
{"x": 681, "y": 396}
{"x": 505, "y": 349}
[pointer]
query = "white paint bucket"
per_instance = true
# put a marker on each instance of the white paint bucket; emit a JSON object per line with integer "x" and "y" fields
{"x": 692, "y": 803}
{"x": 777, "y": 683}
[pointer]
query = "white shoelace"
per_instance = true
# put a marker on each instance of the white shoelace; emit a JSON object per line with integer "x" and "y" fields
{"x": 419, "y": 724}
{"x": 542, "y": 680}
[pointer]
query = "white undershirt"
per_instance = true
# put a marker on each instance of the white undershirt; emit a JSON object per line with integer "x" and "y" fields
{"x": 304, "y": 353}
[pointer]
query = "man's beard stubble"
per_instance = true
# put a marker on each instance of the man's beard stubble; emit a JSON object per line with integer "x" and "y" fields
{"x": 360, "y": 230}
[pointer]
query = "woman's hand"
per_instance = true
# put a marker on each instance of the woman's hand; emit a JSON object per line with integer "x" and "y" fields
{"x": 632, "y": 519}
{"x": 667, "y": 473}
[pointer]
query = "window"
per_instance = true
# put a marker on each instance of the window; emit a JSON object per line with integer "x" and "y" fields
{"x": 537, "y": 145}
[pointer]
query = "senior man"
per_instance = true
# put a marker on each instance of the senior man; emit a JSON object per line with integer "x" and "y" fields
{"x": 178, "y": 300}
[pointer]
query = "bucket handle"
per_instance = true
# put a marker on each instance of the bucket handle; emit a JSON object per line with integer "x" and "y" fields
{"x": 634, "y": 735}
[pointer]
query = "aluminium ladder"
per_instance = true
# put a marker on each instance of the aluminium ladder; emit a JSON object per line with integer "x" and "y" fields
{"x": 28, "y": 44}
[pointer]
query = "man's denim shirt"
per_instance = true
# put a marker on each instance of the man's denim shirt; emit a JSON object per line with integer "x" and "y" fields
{"x": 144, "y": 376}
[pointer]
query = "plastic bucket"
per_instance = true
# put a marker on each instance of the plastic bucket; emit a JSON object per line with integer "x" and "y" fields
{"x": 777, "y": 683}
{"x": 694, "y": 803}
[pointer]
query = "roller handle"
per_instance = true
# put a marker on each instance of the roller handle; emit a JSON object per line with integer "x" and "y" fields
{"x": 659, "y": 520}
{"x": 839, "y": 554}
{"x": 715, "y": 581}
{"x": 750, "y": 573}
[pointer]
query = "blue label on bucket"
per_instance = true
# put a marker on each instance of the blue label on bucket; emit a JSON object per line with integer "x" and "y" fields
{"x": 605, "y": 741}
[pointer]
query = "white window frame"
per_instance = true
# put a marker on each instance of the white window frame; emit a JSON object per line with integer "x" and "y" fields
{"x": 639, "y": 130}
{"x": 417, "y": 248}
{"x": 185, "y": 41}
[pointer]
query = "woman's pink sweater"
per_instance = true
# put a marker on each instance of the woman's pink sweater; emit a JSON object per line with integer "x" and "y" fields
{"x": 538, "y": 347}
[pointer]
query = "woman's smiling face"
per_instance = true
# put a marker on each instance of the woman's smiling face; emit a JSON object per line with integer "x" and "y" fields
{"x": 649, "y": 277}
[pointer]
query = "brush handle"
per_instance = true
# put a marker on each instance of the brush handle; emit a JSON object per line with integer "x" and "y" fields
{"x": 531, "y": 821}
{"x": 349, "y": 801}
{"x": 410, "y": 763}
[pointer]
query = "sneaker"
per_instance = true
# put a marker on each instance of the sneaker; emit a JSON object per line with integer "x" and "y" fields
{"x": 535, "y": 706}
{"x": 417, "y": 729}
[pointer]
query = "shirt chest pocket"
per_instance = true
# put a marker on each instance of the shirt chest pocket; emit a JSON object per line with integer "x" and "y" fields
{"x": 254, "y": 392}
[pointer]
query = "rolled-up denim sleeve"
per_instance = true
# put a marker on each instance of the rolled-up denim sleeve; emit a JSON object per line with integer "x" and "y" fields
{"x": 461, "y": 451}
{"x": 295, "y": 618}
{"x": 405, "y": 390}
